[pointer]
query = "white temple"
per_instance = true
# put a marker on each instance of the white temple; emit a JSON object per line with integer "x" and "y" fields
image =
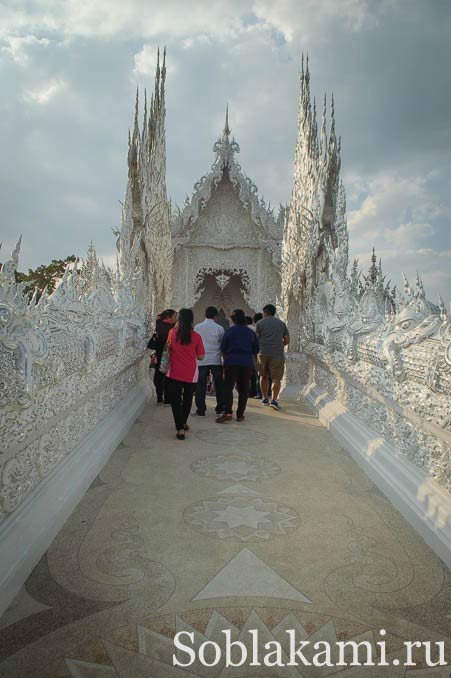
{"x": 375, "y": 364}
{"x": 226, "y": 241}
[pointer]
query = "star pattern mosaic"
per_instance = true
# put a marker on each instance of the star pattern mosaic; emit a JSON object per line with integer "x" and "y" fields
{"x": 147, "y": 649}
{"x": 235, "y": 467}
{"x": 244, "y": 519}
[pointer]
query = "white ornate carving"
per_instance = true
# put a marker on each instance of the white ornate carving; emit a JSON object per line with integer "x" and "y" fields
{"x": 66, "y": 362}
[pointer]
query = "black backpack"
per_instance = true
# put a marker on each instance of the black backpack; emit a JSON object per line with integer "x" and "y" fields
{"x": 153, "y": 341}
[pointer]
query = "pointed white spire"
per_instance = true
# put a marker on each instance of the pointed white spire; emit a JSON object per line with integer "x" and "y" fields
{"x": 136, "y": 122}
{"x": 332, "y": 115}
{"x": 145, "y": 114}
{"x": 323, "y": 139}
{"x": 226, "y": 124}
{"x": 157, "y": 79}
{"x": 163, "y": 69}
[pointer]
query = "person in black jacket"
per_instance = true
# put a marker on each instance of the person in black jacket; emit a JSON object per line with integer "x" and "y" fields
{"x": 165, "y": 322}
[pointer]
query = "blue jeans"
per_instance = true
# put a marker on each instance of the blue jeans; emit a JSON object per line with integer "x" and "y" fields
{"x": 201, "y": 388}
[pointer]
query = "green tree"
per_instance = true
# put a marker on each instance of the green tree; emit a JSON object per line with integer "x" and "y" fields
{"x": 45, "y": 275}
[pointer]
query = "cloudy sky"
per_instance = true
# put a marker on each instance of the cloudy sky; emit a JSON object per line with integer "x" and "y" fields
{"x": 69, "y": 69}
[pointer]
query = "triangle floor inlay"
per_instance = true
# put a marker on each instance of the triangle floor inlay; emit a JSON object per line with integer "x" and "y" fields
{"x": 247, "y": 576}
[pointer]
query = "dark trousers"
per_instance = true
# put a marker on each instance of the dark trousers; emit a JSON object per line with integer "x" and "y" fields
{"x": 159, "y": 380}
{"x": 180, "y": 394}
{"x": 239, "y": 375}
{"x": 201, "y": 388}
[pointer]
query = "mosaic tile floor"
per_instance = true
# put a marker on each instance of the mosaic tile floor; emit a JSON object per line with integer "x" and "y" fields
{"x": 266, "y": 524}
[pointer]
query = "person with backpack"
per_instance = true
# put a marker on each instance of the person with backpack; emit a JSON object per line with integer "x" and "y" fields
{"x": 184, "y": 347}
{"x": 165, "y": 322}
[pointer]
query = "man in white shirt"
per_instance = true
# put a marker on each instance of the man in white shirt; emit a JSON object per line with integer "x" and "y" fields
{"x": 211, "y": 333}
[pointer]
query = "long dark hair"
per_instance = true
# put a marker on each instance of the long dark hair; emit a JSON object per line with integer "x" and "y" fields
{"x": 185, "y": 326}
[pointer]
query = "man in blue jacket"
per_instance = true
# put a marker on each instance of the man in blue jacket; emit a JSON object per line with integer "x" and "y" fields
{"x": 239, "y": 347}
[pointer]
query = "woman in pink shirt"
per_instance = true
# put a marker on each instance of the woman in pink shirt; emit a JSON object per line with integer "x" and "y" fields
{"x": 185, "y": 349}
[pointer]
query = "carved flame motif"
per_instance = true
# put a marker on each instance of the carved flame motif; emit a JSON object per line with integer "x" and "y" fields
{"x": 222, "y": 280}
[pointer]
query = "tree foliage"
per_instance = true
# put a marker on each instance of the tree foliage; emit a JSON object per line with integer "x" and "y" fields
{"x": 45, "y": 275}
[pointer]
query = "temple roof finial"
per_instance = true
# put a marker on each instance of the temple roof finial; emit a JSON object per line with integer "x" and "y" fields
{"x": 226, "y": 125}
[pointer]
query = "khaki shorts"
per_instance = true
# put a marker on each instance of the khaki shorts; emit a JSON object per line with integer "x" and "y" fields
{"x": 270, "y": 367}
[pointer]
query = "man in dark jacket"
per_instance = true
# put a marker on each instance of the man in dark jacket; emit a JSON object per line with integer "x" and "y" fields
{"x": 239, "y": 346}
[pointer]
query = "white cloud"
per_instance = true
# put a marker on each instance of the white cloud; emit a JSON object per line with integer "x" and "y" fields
{"x": 178, "y": 18}
{"x": 397, "y": 214}
{"x": 17, "y": 47}
{"x": 310, "y": 18}
{"x": 146, "y": 61}
{"x": 400, "y": 208}
{"x": 134, "y": 18}
{"x": 45, "y": 92}
{"x": 201, "y": 39}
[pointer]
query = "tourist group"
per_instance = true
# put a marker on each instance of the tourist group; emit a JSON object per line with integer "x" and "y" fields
{"x": 190, "y": 361}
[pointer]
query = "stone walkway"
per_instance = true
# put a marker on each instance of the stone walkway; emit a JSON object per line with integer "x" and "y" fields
{"x": 263, "y": 525}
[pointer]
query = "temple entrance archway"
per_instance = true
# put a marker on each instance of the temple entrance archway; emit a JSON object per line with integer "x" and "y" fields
{"x": 225, "y": 289}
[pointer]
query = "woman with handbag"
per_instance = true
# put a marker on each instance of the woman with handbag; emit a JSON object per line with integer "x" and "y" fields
{"x": 165, "y": 322}
{"x": 183, "y": 349}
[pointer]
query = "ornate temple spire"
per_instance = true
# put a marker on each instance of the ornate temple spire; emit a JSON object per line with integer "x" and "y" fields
{"x": 224, "y": 147}
{"x": 332, "y": 116}
{"x": 373, "y": 273}
{"x": 134, "y": 144}
{"x": 157, "y": 80}
{"x": 226, "y": 124}
{"x": 333, "y": 151}
{"x": 163, "y": 76}
{"x": 136, "y": 122}
{"x": 323, "y": 138}
{"x": 306, "y": 96}
{"x": 145, "y": 116}
{"x": 314, "y": 129}
{"x": 307, "y": 135}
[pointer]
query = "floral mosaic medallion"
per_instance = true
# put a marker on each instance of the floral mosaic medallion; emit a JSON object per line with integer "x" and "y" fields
{"x": 244, "y": 519}
{"x": 235, "y": 467}
{"x": 231, "y": 436}
{"x": 147, "y": 648}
